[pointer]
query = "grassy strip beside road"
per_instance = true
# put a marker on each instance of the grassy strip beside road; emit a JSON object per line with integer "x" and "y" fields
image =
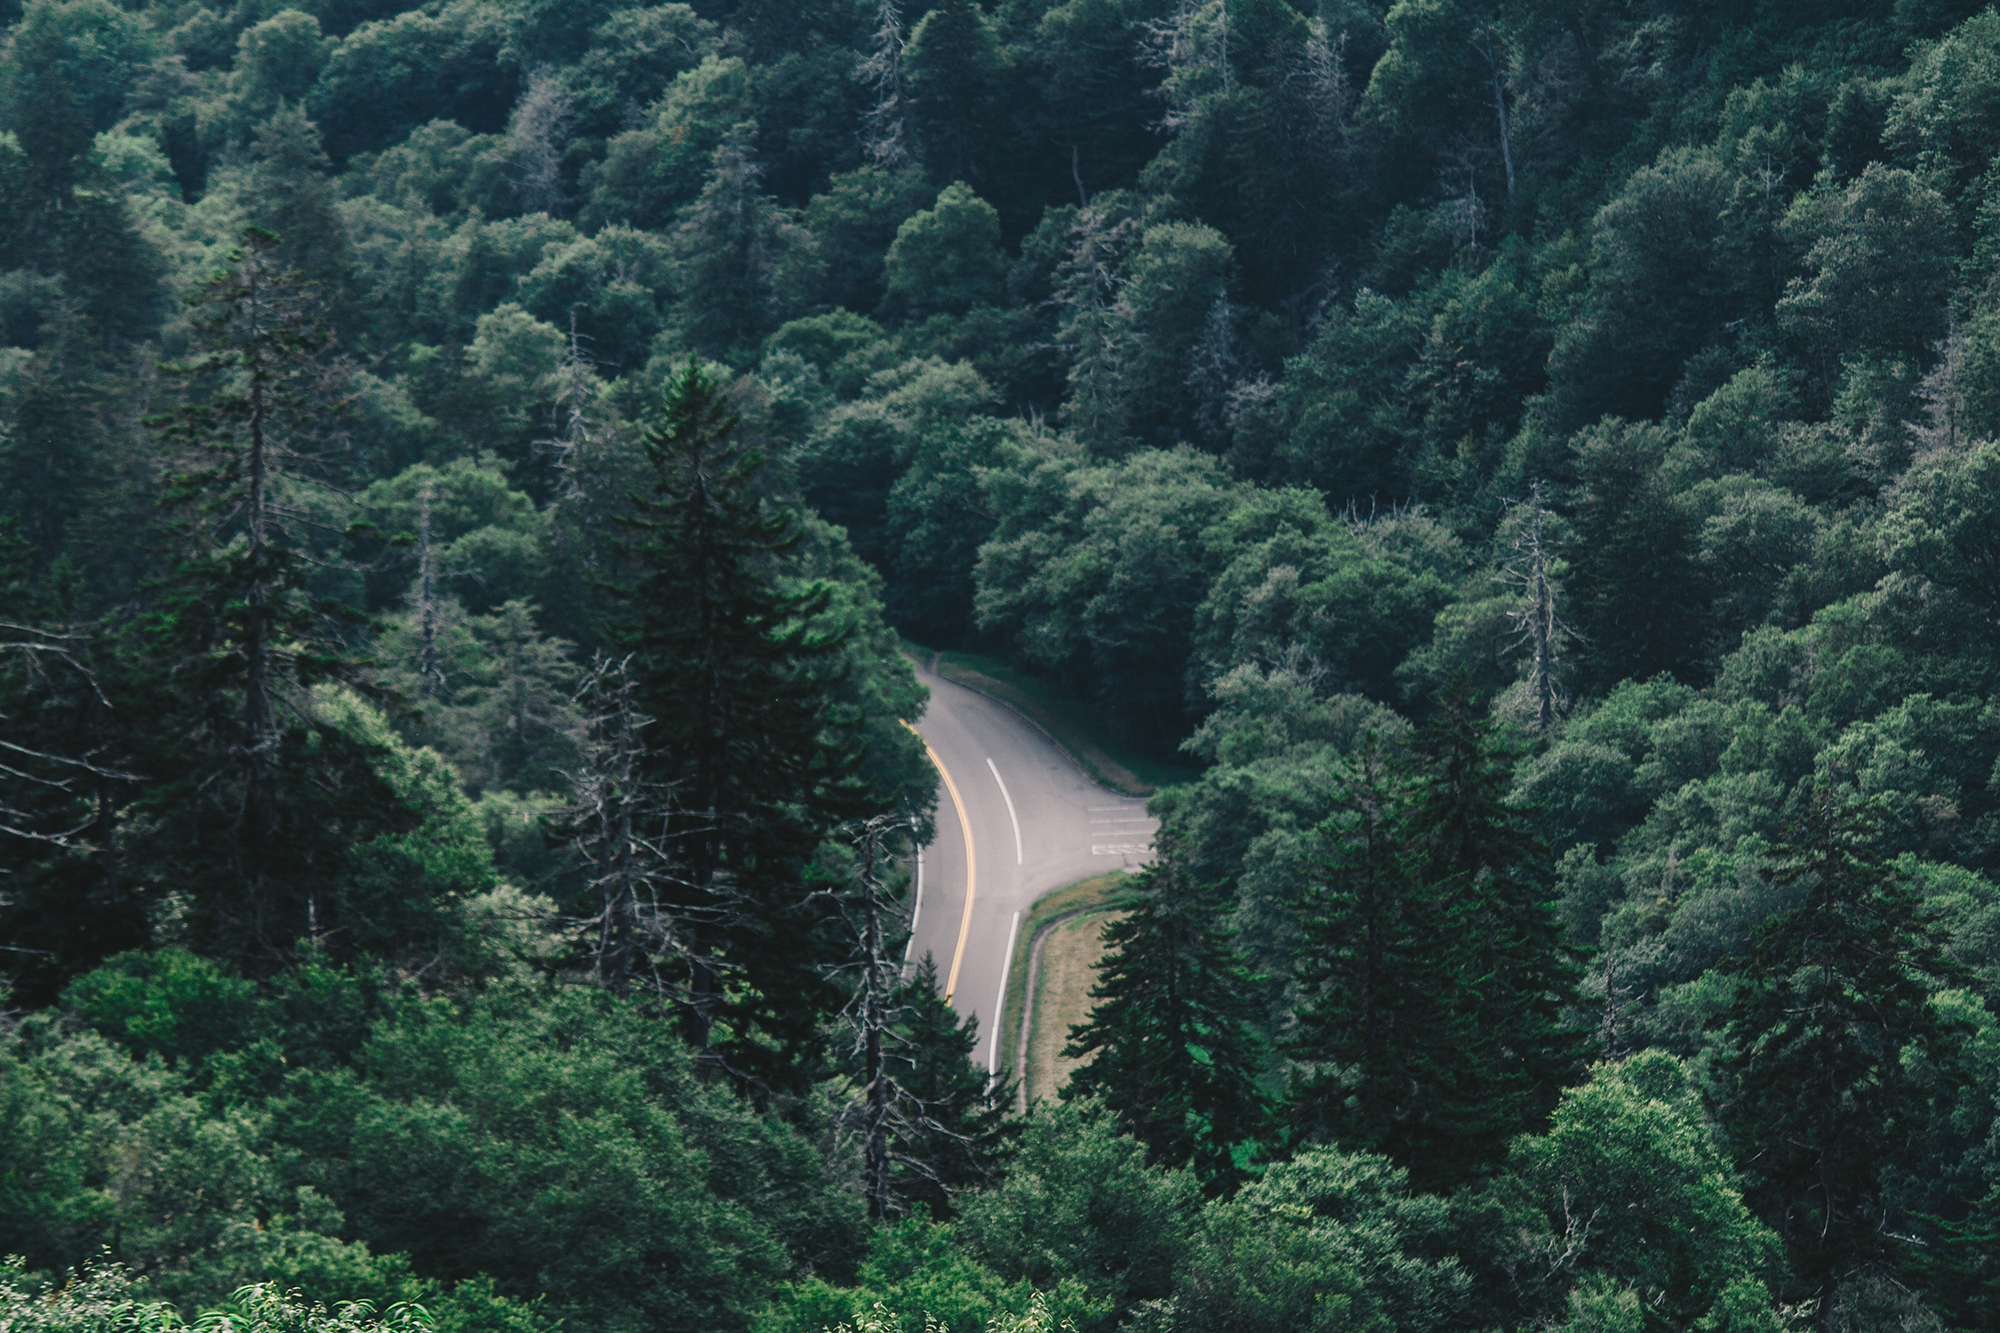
{"x": 1083, "y": 905}
{"x": 1072, "y": 950}
{"x": 1068, "y": 721}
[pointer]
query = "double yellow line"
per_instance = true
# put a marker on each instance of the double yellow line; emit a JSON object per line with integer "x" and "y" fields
{"x": 971, "y": 864}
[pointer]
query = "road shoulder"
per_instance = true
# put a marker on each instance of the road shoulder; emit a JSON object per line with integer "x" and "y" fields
{"x": 1093, "y": 898}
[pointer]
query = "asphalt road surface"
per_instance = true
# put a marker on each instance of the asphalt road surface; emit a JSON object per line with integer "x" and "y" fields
{"x": 1034, "y": 821}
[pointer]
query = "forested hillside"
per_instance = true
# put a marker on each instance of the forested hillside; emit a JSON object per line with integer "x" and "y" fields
{"x": 466, "y": 468}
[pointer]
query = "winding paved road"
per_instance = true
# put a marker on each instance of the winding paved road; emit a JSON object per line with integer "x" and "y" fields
{"x": 1035, "y": 822}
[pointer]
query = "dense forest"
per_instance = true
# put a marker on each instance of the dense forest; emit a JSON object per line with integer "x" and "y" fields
{"x": 469, "y": 471}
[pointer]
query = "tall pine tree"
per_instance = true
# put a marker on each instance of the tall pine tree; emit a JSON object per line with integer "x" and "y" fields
{"x": 1485, "y": 858}
{"x": 1173, "y": 1044}
{"x": 259, "y": 800}
{"x": 738, "y": 666}
{"x": 1838, "y": 1057}
{"x": 1436, "y": 1023}
{"x": 1387, "y": 1016}
{"x": 957, "y": 1132}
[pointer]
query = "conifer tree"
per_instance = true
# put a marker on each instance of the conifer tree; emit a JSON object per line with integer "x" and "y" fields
{"x": 1386, "y": 1019}
{"x": 290, "y": 191}
{"x": 257, "y": 801}
{"x": 955, "y": 1131}
{"x": 1439, "y": 977}
{"x": 726, "y": 250}
{"x": 954, "y": 66}
{"x": 1838, "y": 1055}
{"x": 1173, "y": 1044}
{"x": 1484, "y": 857}
{"x": 739, "y": 671}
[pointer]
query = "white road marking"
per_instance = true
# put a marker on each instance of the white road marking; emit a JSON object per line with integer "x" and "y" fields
{"x": 1000, "y": 1001}
{"x": 916, "y": 910}
{"x": 1010, "y": 807}
{"x": 1118, "y": 849}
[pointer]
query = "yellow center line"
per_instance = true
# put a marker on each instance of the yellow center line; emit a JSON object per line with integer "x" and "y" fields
{"x": 971, "y": 875}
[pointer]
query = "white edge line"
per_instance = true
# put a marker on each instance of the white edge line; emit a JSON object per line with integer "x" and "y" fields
{"x": 1000, "y": 1003}
{"x": 1010, "y": 807}
{"x": 916, "y": 910}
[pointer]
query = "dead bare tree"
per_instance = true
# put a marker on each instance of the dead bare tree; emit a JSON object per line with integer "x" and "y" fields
{"x": 885, "y": 132}
{"x": 537, "y": 138}
{"x": 430, "y": 677}
{"x": 620, "y": 826}
{"x": 63, "y": 781}
{"x": 1537, "y": 624}
{"x": 1482, "y": 42}
{"x": 1212, "y": 372}
{"x": 1941, "y": 392}
{"x": 874, "y": 1010}
{"x": 1191, "y": 48}
{"x": 1094, "y": 323}
{"x": 576, "y": 389}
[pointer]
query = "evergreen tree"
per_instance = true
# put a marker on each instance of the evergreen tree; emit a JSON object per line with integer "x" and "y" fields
{"x": 1838, "y": 1054}
{"x": 955, "y": 1130}
{"x": 954, "y": 66}
{"x": 739, "y": 668}
{"x": 1440, "y": 976}
{"x": 258, "y": 800}
{"x": 1641, "y": 591}
{"x": 289, "y": 191}
{"x": 1386, "y": 1020}
{"x": 1172, "y": 1041}
{"x": 1484, "y": 857}
{"x": 726, "y": 250}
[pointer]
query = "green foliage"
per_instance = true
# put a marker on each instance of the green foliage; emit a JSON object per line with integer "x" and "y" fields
{"x": 1319, "y": 296}
{"x": 1837, "y": 1049}
{"x": 1171, "y": 1045}
{"x": 168, "y": 1003}
{"x": 567, "y": 1147}
{"x": 102, "y": 1296}
{"x": 1632, "y": 1191}
{"x": 917, "y": 1269}
{"x": 1879, "y": 261}
{"x": 946, "y": 258}
{"x": 937, "y": 519}
{"x": 1675, "y": 256}
{"x": 1080, "y": 1204}
{"x": 1327, "y": 1239}
{"x": 1095, "y": 570}
{"x": 1942, "y": 526}
{"x": 1436, "y": 973}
